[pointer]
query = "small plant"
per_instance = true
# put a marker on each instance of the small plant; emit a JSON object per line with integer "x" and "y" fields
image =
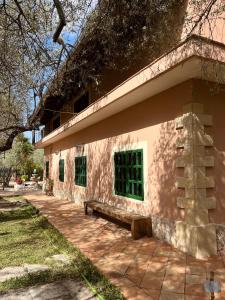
{"x": 24, "y": 177}
{"x": 19, "y": 180}
{"x": 49, "y": 187}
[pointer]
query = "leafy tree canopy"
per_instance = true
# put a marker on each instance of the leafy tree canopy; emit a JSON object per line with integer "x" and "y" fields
{"x": 22, "y": 157}
{"x": 38, "y": 36}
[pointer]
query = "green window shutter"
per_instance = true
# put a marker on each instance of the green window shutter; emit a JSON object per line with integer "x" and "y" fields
{"x": 47, "y": 169}
{"x": 61, "y": 170}
{"x": 81, "y": 170}
{"x": 129, "y": 174}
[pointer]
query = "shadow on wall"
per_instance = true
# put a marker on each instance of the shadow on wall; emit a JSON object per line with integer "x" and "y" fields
{"x": 143, "y": 115}
{"x": 160, "y": 182}
{"x": 145, "y": 122}
{"x": 214, "y": 95}
{"x": 70, "y": 171}
{"x": 164, "y": 172}
{"x": 101, "y": 173}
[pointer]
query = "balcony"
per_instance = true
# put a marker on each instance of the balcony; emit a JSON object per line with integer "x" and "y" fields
{"x": 181, "y": 64}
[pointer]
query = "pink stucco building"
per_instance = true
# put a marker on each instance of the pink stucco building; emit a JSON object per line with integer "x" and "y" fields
{"x": 152, "y": 143}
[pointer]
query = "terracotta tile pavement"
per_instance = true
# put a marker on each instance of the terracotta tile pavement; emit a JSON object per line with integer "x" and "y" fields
{"x": 145, "y": 269}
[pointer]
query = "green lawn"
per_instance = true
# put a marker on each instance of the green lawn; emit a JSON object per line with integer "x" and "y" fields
{"x": 27, "y": 237}
{"x": 24, "y": 241}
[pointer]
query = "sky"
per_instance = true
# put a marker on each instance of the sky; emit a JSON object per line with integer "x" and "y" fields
{"x": 28, "y": 134}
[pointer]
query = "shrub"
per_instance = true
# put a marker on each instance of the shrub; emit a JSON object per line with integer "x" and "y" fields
{"x": 25, "y": 177}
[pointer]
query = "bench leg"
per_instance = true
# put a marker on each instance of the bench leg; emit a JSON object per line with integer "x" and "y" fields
{"x": 86, "y": 209}
{"x": 137, "y": 227}
{"x": 140, "y": 228}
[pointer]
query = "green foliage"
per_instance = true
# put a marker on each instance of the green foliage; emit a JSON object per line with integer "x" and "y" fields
{"x": 25, "y": 177}
{"x": 5, "y": 175}
{"x": 19, "y": 157}
{"x": 49, "y": 186}
{"x": 38, "y": 157}
{"x": 19, "y": 213}
{"x": 23, "y": 158}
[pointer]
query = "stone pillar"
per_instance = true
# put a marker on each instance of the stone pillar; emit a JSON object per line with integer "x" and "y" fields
{"x": 195, "y": 235}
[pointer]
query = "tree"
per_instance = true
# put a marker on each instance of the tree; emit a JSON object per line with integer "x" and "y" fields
{"x": 20, "y": 157}
{"x": 38, "y": 160}
{"x": 35, "y": 43}
{"x": 23, "y": 157}
{"x": 31, "y": 53}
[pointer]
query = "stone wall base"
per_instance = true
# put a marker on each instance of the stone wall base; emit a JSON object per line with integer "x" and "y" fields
{"x": 69, "y": 195}
{"x": 220, "y": 235}
{"x": 163, "y": 229}
{"x": 198, "y": 241}
{"x": 189, "y": 238}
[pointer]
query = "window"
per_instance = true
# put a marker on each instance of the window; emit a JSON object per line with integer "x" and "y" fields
{"x": 129, "y": 174}
{"x": 81, "y": 103}
{"x": 47, "y": 169}
{"x": 56, "y": 123}
{"x": 81, "y": 170}
{"x": 61, "y": 170}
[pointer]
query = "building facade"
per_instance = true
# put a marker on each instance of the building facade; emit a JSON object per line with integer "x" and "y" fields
{"x": 154, "y": 144}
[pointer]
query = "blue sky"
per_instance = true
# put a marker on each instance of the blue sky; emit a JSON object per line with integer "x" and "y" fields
{"x": 28, "y": 134}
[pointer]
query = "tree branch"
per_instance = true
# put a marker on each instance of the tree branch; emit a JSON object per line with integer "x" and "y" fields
{"x": 62, "y": 21}
{"x": 16, "y": 127}
{"x": 7, "y": 145}
{"x": 21, "y": 11}
{"x": 204, "y": 15}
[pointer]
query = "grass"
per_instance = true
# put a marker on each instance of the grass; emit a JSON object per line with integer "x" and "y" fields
{"x": 22, "y": 213}
{"x": 14, "y": 198}
{"x": 27, "y": 237}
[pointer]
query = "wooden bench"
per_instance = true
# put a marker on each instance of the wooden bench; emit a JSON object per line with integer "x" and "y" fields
{"x": 140, "y": 225}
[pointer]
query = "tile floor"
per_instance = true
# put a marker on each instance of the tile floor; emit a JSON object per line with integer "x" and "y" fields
{"x": 143, "y": 269}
